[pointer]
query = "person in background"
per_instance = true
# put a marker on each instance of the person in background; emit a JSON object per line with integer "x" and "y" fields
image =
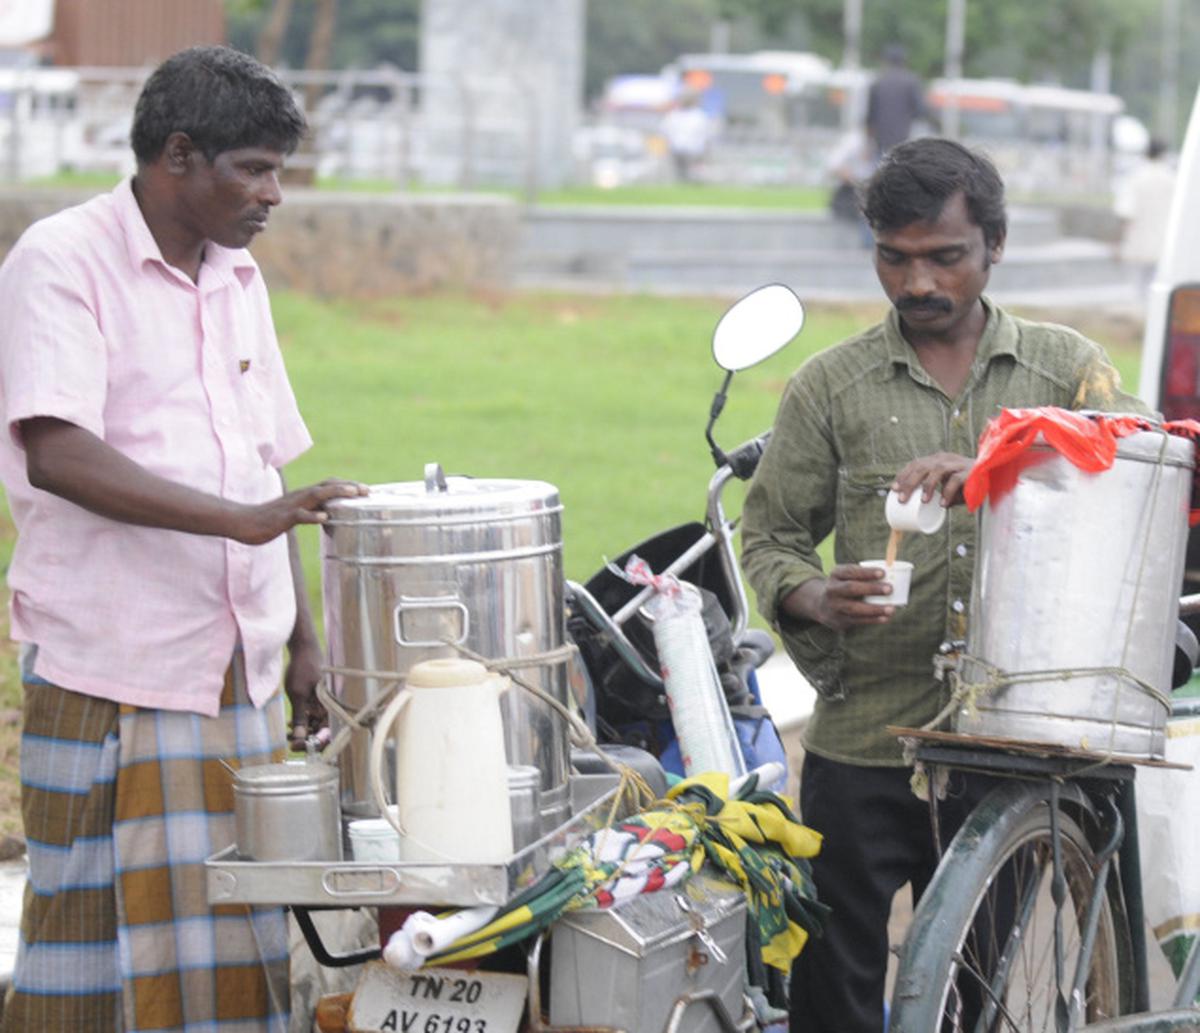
{"x": 1143, "y": 204}
{"x": 900, "y": 406}
{"x": 688, "y": 132}
{"x": 155, "y": 578}
{"x": 895, "y": 100}
{"x": 850, "y": 164}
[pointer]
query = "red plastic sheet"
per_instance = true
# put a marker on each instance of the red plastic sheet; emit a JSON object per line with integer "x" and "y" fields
{"x": 1090, "y": 442}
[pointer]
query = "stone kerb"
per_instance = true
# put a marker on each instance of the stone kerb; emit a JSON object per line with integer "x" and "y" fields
{"x": 351, "y": 245}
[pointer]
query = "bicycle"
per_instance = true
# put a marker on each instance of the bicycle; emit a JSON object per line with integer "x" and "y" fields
{"x": 1034, "y": 918}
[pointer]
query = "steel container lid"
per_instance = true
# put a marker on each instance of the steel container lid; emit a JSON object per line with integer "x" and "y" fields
{"x": 285, "y": 777}
{"x": 439, "y": 499}
{"x": 443, "y": 515}
{"x": 1145, "y": 446}
{"x": 1148, "y": 446}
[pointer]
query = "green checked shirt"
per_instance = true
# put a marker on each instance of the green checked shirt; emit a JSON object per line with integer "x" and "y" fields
{"x": 849, "y": 420}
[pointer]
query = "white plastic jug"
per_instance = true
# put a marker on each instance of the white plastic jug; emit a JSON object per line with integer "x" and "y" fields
{"x": 451, "y": 792}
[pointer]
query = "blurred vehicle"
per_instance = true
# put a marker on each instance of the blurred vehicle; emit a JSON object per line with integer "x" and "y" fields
{"x": 1042, "y": 138}
{"x": 637, "y": 101}
{"x": 1170, "y": 368}
{"x": 750, "y": 93}
{"x": 610, "y": 156}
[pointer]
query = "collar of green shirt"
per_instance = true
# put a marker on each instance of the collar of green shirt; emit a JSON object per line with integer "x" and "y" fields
{"x": 999, "y": 338}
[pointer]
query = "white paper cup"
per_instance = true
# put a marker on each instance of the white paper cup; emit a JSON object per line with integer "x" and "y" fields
{"x": 914, "y": 515}
{"x": 374, "y": 839}
{"x": 900, "y": 577}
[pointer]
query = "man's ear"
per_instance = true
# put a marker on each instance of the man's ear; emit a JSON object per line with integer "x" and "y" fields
{"x": 996, "y": 251}
{"x": 179, "y": 153}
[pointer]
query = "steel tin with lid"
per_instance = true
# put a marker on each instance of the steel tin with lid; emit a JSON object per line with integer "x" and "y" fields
{"x": 288, "y": 812}
{"x": 414, "y": 569}
{"x": 1075, "y": 600}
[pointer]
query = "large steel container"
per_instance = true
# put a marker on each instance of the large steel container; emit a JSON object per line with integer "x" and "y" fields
{"x": 472, "y": 562}
{"x": 1077, "y": 581}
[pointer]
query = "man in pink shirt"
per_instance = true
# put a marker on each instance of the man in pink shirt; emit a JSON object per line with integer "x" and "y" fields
{"x": 155, "y": 578}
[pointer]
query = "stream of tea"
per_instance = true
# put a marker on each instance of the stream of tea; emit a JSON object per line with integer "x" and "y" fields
{"x": 892, "y": 546}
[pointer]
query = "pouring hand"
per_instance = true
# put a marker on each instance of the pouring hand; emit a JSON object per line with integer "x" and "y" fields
{"x": 300, "y": 683}
{"x": 943, "y": 471}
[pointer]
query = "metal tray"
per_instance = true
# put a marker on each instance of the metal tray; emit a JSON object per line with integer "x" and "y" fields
{"x": 235, "y": 880}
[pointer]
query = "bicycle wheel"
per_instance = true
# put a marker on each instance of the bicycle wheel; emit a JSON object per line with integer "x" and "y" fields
{"x": 981, "y": 952}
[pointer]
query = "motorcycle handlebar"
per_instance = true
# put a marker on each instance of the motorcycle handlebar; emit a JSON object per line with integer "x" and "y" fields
{"x": 743, "y": 460}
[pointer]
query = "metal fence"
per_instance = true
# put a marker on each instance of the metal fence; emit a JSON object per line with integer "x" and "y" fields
{"x": 386, "y": 125}
{"x": 389, "y": 127}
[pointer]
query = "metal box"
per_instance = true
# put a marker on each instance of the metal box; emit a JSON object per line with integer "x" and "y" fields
{"x": 626, "y": 968}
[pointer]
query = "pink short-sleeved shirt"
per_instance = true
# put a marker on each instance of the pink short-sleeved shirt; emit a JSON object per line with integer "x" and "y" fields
{"x": 185, "y": 379}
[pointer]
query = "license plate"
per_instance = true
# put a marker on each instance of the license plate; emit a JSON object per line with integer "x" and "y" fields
{"x": 436, "y": 1000}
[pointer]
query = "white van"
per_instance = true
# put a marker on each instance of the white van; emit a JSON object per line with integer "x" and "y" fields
{"x": 1170, "y": 373}
{"x": 1170, "y": 370}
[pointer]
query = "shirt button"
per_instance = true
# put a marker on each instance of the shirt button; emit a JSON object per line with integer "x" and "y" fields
{"x": 957, "y": 606}
{"x": 961, "y": 550}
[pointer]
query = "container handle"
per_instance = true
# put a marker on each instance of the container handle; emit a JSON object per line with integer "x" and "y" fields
{"x": 388, "y": 881}
{"x": 414, "y": 604}
{"x": 435, "y": 479}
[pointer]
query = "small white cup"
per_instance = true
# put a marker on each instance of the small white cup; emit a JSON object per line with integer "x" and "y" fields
{"x": 914, "y": 515}
{"x": 374, "y": 839}
{"x": 900, "y": 577}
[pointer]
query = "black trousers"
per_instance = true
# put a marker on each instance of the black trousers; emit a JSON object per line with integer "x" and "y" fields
{"x": 877, "y": 838}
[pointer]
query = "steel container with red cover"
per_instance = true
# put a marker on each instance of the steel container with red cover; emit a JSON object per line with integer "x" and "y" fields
{"x": 1076, "y": 594}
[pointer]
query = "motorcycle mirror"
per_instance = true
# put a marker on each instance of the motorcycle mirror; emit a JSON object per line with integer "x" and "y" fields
{"x": 757, "y": 326}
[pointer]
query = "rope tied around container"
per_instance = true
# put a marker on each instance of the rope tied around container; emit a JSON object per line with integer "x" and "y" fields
{"x": 966, "y": 694}
{"x": 985, "y": 678}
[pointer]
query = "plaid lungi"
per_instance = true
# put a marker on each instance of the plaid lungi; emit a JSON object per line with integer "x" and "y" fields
{"x": 121, "y": 806}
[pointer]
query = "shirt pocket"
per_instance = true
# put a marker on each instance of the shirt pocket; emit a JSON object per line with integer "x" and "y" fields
{"x": 862, "y": 529}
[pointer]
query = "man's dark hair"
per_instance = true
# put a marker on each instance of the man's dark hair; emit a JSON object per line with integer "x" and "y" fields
{"x": 223, "y": 99}
{"x": 917, "y": 178}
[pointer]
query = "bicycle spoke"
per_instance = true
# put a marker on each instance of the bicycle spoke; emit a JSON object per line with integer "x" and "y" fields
{"x": 1037, "y": 944}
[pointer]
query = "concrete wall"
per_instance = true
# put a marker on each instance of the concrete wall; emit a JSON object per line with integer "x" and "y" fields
{"x": 351, "y": 245}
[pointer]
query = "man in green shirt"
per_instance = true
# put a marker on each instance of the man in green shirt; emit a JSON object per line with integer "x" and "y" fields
{"x": 901, "y": 406}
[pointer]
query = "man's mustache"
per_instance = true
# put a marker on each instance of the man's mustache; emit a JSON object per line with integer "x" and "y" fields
{"x": 911, "y": 304}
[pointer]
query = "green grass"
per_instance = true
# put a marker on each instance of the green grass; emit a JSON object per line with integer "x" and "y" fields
{"x": 77, "y": 181}
{"x": 693, "y": 194}
{"x": 604, "y": 397}
{"x": 674, "y": 194}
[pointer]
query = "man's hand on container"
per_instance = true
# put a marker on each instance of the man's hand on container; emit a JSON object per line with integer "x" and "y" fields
{"x": 268, "y": 520}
